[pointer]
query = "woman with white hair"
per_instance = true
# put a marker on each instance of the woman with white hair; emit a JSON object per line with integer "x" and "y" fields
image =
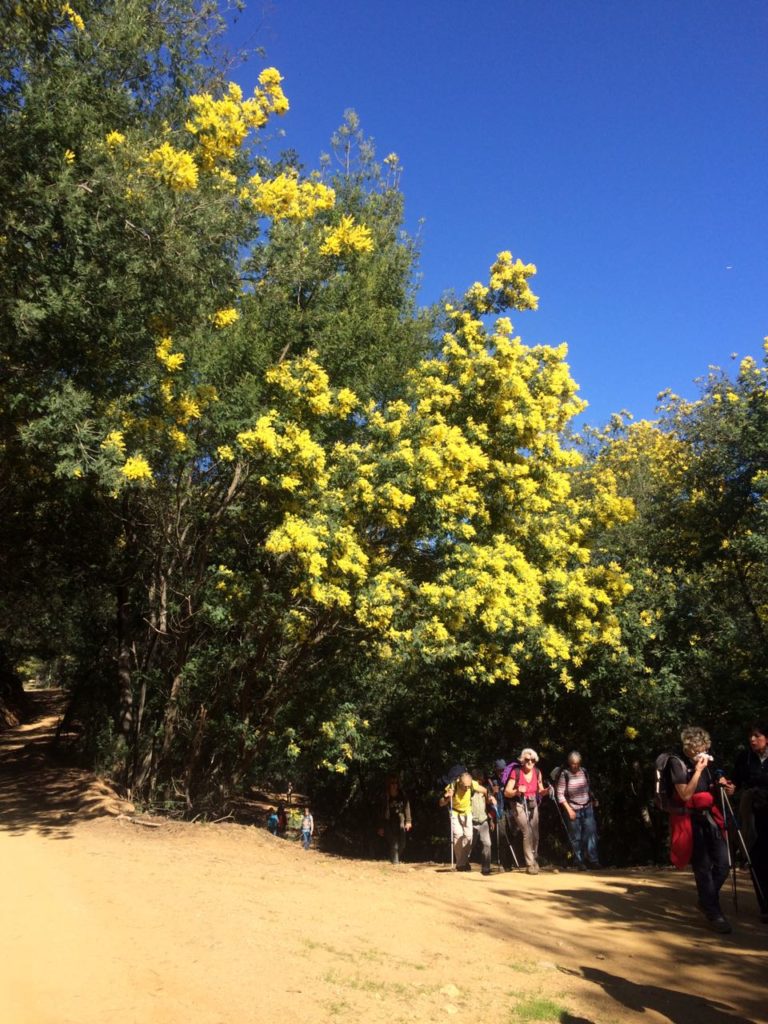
{"x": 523, "y": 790}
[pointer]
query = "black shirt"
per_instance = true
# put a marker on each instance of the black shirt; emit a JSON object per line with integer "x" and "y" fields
{"x": 750, "y": 772}
{"x": 681, "y": 769}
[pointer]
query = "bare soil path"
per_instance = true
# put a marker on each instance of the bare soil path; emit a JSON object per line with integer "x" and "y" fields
{"x": 108, "y": 922}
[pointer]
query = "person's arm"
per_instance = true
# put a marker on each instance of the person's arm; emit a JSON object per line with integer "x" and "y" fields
{"x": 407, "y": 815}
{"x": 685, "y": 790}
{"x": 446, "y": 798}
{"x": 513, "y": 782}
{"x": 562, "y": 797}
{"x": 477, "y": 788}
{"x": 543, "y": 787}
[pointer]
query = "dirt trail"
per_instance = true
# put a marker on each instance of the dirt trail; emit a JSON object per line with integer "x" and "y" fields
{"x": 108, "y": 922}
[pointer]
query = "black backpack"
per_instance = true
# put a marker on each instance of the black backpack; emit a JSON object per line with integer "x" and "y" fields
{"x": 663, "y": 790}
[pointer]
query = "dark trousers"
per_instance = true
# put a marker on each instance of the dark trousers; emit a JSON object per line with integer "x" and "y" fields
{"x": 759, "y": 856}
{"x": 709, "y": 863}
{"x": 482, "y": 835}
{"x": 395, "y": 837}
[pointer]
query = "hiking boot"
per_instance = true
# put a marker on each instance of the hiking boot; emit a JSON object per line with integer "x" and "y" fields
{"x": 719, "y": 924}
{"x": 485, "y": 871}
{"x": 532, "y": 869}
{"x": 464, "y": 867}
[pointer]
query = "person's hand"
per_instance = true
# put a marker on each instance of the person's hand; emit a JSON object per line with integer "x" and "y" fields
{"x": 408, "y": 826}
{"x": 702, "y": 760}
{"x": 729, "y": 787}
{"x": 449, "y": 790}
{"x": 571, "y": 813}
{"x": 380, "y": 832}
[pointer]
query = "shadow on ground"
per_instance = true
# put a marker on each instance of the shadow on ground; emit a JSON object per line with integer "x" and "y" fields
{"x": 36, "y": 791}
{"x": 679, "y": 1007}
{"x": 649, "y": 928}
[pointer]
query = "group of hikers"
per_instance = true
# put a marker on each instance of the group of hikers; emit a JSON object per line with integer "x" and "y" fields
{"x": 706, "y": 828}
{"x": 504, "y": 803}
{"x": 278, "y": 823}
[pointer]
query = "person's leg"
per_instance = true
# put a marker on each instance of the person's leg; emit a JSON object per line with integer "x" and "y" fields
{"x": 589, "y": 836}
{"x": 461, "y": 847}
{"x": 710, "y": 867}
{"x": 465, "y": 841}
{"x": 521, "y": 820}
{"x": 402, "y": 838}
{"x": 393, "y": 845}
{"x": 575, "y": 830}
{"x": 533, "y": 814}
{"x": 484, "y": 833}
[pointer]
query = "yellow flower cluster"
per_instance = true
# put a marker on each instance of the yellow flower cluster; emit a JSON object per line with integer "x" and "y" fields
{"x": 470, "y": 464}
{"x": 221, "y": 126}
{"x": 175, "y": 167}
{"x": 136, "y": 468}
{"x": 115, "y": 442}
{"x": 225, "y": 318}
{"x": 114, "y": 139}
{"x": 73, "y": 17}
{"x": 172, "y": 361}
{"x": 346, "y": 237}
{"x": 284, "y": 197}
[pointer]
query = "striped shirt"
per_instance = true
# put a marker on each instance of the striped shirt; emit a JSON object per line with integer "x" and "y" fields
{"x": 577, "y": 788}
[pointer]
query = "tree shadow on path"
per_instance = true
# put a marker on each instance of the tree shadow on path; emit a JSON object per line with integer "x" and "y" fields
{"x": 38, "y": 792}
{"x": 679, "y": 1007}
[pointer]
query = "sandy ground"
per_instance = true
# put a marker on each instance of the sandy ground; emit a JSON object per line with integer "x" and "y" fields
{"x": 108, "y": 921}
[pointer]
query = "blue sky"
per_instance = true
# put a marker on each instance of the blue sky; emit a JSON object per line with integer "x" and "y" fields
{"x": 621, "y": 146}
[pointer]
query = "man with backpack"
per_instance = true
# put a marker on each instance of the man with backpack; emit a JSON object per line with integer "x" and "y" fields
{"x": 458, "y": 796}
{"x": 697, "y": 829}
{"x": 574, "y": 794}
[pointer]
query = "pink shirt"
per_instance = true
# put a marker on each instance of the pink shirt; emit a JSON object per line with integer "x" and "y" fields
{"x": 528, "y": 789}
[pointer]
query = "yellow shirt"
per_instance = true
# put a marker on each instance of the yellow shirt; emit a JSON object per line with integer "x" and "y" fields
{"x": 463, "y": 804}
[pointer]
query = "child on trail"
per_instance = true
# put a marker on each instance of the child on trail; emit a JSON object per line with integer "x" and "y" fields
{"x": 459, "y": 796}
{"x": 307, "y": 828}
{"x": 272, "y": 821}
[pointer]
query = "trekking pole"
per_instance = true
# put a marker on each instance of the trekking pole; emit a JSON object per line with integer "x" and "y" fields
{"x": 450, "y": 831}
{"x": 745, "y": 851}
{"x": 512, "y": 849}
{"x": 731, "y": 857}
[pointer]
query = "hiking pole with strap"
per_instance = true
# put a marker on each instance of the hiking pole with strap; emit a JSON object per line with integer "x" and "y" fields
{"x": 745, "y": 850}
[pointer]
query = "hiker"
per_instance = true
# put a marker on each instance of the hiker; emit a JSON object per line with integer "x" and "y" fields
{"x": 307, "y": 828}
{"x": 458, "y": 795}
{"x": 574, "y": 795}
{"x": 697, "y": 829}
{"x": 282, "y": 820}
{"x": 272, "y": 821}
{"x": 483, "y": 811}
{"x": 396, "y": 818}
{"x": 750, "y": 776}
{"x": 524, "y": 788}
